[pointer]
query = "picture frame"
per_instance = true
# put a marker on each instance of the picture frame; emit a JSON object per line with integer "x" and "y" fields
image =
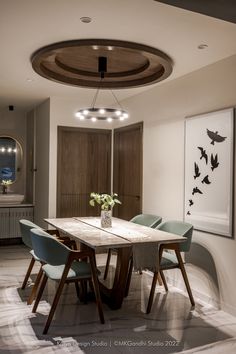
{"x": 209, "y": 172}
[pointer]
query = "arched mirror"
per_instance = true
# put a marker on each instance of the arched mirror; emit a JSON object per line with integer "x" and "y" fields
{"x": 10, "y": 159}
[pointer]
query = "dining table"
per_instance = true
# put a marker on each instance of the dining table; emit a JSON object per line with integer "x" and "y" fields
{"x": 131, "y": 241}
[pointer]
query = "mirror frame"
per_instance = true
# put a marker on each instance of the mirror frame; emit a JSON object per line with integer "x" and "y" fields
{"x": 18, "y": 170}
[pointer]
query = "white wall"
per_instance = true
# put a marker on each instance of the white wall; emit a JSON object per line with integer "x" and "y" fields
{"x": 163, "y": 109}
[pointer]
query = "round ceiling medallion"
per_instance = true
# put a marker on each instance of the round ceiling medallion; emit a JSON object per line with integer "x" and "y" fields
{"x": 75, "y": 63}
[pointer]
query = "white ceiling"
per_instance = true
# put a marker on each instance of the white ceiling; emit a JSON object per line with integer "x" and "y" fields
{"x": 26, "y": 25}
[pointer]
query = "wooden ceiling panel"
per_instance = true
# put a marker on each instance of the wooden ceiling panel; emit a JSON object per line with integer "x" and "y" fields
{"x": 75, "y": 63}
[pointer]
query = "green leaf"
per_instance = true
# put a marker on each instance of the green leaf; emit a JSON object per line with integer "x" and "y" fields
{"x": 106, "y": 201}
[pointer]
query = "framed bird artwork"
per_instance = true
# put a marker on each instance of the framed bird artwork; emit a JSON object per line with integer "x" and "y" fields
{"x": 209, "y": 169}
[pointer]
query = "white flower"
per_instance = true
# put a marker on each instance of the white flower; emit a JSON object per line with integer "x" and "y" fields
{"x": 6, "y": 182}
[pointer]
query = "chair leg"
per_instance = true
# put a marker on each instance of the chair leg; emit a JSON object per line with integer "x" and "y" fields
{"x": 54, "y": 304}
{"x": 129, "y": 277}
{"x": 184, "y": 274}
{"x": 91, "y": 286}
{"x": 84, "y": 290}
{"x": 77, "y": 289}
{"x": 159, "y": 278}
{"x": 28, "y": 273}
{"x": 40, "y": 293}
{"x": 96, "y": 288}
{"x": 163, "y": 280}
{"x": 150, "y": 300}
{"x": 35, "y": 287}
{"x": 107, "y": 264}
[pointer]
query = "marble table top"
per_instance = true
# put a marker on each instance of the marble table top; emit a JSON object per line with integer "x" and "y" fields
{"x": 87, "y": 234}
{"x": 122, "y": 233}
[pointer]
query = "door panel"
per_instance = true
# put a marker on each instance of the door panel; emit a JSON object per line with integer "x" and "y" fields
{"x": 84, "y": 164}
{"x": 127, "y": 180}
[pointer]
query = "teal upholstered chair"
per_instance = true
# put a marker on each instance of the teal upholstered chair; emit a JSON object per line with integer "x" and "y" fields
{"x": 25, "y": 227}
{"x": 141, "y": 219}
{"x": 147, "y": 220}
{"x": 63, "y": 265}
{"x": 169, "y": 260}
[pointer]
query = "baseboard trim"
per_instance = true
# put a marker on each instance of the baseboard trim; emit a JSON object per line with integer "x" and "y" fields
{"x": 11, "y": 241}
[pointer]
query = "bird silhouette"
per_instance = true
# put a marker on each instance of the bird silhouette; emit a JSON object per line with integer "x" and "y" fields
{"x": 203, "y": 154}
{"x": 188, "y": 213}
{"x": 191, "y": 202}
{"x": 206, "y": 180}
{"x": 196, "y": 190}
{"x": 214, "y": 161}
{"x": 215, "y": 137}
{"x": 196, "y": 170}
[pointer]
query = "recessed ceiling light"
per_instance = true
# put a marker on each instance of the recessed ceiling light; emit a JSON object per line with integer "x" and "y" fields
{"x": 202, "y": 46}
{"x": 85, "y": 19}
{"x": 29, "y": 80}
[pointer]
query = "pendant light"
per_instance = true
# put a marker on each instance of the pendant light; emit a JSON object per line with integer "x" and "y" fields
{"x": 94, "y": 113}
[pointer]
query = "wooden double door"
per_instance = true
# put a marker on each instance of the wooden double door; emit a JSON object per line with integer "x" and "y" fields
{"x": 84, "y": 166}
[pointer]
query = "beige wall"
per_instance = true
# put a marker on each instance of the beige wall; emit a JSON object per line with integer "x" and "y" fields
{"x": 30, "y": 156}
{"x": 42, "y": 117}
{"x": 163, "y": 110}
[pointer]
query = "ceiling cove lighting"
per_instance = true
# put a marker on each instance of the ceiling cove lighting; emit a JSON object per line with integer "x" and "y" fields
{"x": 94, "y": 113}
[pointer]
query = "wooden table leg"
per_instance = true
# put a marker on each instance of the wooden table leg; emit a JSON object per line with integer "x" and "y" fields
{"x": 114, "y": 296}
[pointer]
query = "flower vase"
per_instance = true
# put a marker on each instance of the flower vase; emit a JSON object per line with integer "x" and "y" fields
{"x": 106, "y": 218}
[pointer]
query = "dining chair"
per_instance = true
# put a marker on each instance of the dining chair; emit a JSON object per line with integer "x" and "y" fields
{"x": 169, "y": 260}
{"x": 63, "y": 265}
{"x": 25, "y": 227}
{"x": 142, "y": 219}
{"x": 147, "y": 220}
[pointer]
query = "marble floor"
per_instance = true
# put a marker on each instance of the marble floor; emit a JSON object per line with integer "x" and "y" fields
{"x": 171, "y": 327}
